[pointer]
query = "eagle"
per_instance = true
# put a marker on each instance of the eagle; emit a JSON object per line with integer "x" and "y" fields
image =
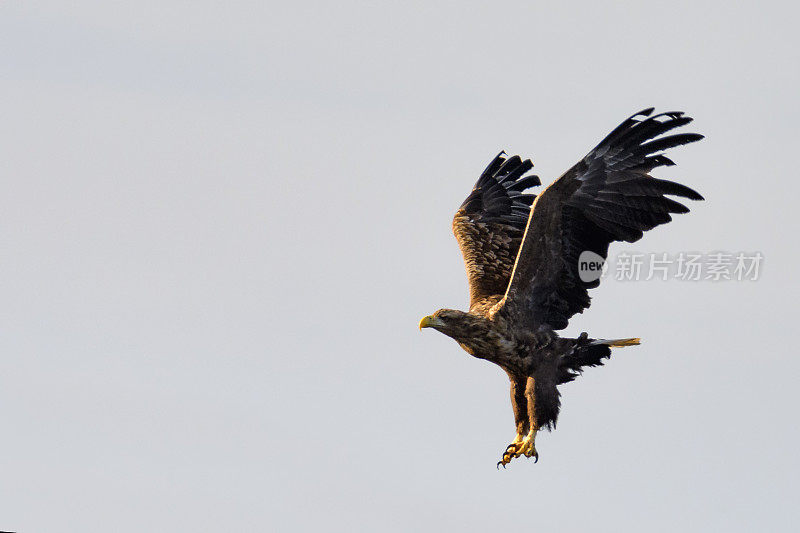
{"x": 522, "y": 254}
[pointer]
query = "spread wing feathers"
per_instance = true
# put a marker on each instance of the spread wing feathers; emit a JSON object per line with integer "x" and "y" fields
{"x": 490, "y": 223}
{"x": 607, "y": 196}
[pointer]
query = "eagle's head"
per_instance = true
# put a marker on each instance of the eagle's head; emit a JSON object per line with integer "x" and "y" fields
{"x": 453, "y": 323}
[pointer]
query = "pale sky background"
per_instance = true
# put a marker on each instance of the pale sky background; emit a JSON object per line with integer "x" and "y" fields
{"x": 221, "y": 223}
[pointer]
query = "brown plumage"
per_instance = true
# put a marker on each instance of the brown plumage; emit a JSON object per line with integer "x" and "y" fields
{"x": 521, "y": 255}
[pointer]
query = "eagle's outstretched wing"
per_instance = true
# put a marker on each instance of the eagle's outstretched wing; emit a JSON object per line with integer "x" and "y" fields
{"x": 490, "y": 223}
{"x": 608, "y": 196}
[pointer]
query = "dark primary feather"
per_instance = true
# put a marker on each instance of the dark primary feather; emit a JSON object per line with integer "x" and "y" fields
{"x": 490, "y": 223}
{"x": 607, "y": 196}
{"x": 582, "y": 355}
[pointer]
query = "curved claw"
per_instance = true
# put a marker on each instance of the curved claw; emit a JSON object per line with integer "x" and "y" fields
{"x": 532, "y": 453}
{"x": 511, "y": 451}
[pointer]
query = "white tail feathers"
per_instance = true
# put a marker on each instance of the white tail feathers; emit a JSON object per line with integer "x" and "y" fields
{"x": 618, "y": 343}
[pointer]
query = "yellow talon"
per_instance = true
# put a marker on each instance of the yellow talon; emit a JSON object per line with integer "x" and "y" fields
{"x": 520, "y": 447}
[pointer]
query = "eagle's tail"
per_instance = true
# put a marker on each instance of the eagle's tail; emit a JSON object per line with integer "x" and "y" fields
{"x": 617, "y": 343}
{"x": 588, "y": 352}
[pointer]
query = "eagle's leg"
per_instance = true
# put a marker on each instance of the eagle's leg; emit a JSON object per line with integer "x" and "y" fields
{"x": 520, "y": 405}
{"x": 528, "y": 446}
{"x": 524, "y": 404}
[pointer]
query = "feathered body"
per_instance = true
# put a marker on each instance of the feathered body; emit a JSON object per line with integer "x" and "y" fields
{"x": 521, "y": 255}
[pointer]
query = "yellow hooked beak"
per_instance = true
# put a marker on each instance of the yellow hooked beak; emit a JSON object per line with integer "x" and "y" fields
{"x": 430, "y": 322}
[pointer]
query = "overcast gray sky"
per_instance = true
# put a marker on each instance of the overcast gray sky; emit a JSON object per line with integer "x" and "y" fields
{"x": 221, "y": 223}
